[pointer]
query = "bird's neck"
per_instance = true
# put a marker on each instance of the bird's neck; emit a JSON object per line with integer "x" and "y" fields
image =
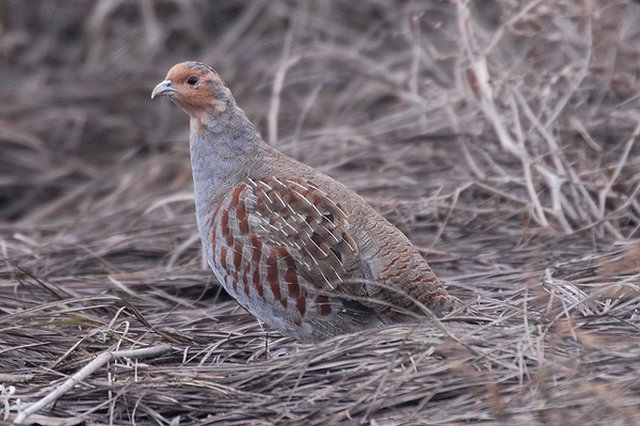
{"x": 223, "y": 150}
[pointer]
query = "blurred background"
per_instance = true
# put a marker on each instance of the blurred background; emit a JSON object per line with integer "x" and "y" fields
{"x": 405, "y": 100}
{"x": 500, "y": 136}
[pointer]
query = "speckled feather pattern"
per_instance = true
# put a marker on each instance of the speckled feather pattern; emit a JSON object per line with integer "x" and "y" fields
{"x": 296, "y": 248}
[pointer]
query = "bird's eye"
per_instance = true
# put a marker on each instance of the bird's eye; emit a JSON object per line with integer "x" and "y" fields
{"x": 192, "y": 80}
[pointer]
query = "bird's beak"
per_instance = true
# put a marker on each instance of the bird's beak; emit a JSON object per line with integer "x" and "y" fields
{"x": 164, "y": 88}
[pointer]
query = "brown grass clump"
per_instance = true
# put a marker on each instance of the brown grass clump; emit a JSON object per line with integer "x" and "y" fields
{"x": 501, "y": 136}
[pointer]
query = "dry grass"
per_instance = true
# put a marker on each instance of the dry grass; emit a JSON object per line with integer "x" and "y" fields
{"x": 501, "y": 139}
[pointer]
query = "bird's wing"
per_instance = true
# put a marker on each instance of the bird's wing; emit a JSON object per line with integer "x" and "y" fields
{"x": 297, "y": 215}
{"x": 288, "y": 239}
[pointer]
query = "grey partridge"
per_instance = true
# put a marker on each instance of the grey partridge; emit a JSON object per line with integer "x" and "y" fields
{"x": 297, "y": 249}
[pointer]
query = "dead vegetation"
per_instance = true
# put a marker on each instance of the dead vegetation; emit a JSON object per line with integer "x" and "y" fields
{"x": 501, "y": 137}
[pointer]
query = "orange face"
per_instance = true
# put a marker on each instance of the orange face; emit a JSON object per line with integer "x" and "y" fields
{"x": 196, "y": 88}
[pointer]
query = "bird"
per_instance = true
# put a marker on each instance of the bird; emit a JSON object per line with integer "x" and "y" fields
{"x": 297, "y": 249}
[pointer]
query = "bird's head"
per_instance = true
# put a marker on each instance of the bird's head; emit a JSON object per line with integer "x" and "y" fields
{"x": 197, "y": 89}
